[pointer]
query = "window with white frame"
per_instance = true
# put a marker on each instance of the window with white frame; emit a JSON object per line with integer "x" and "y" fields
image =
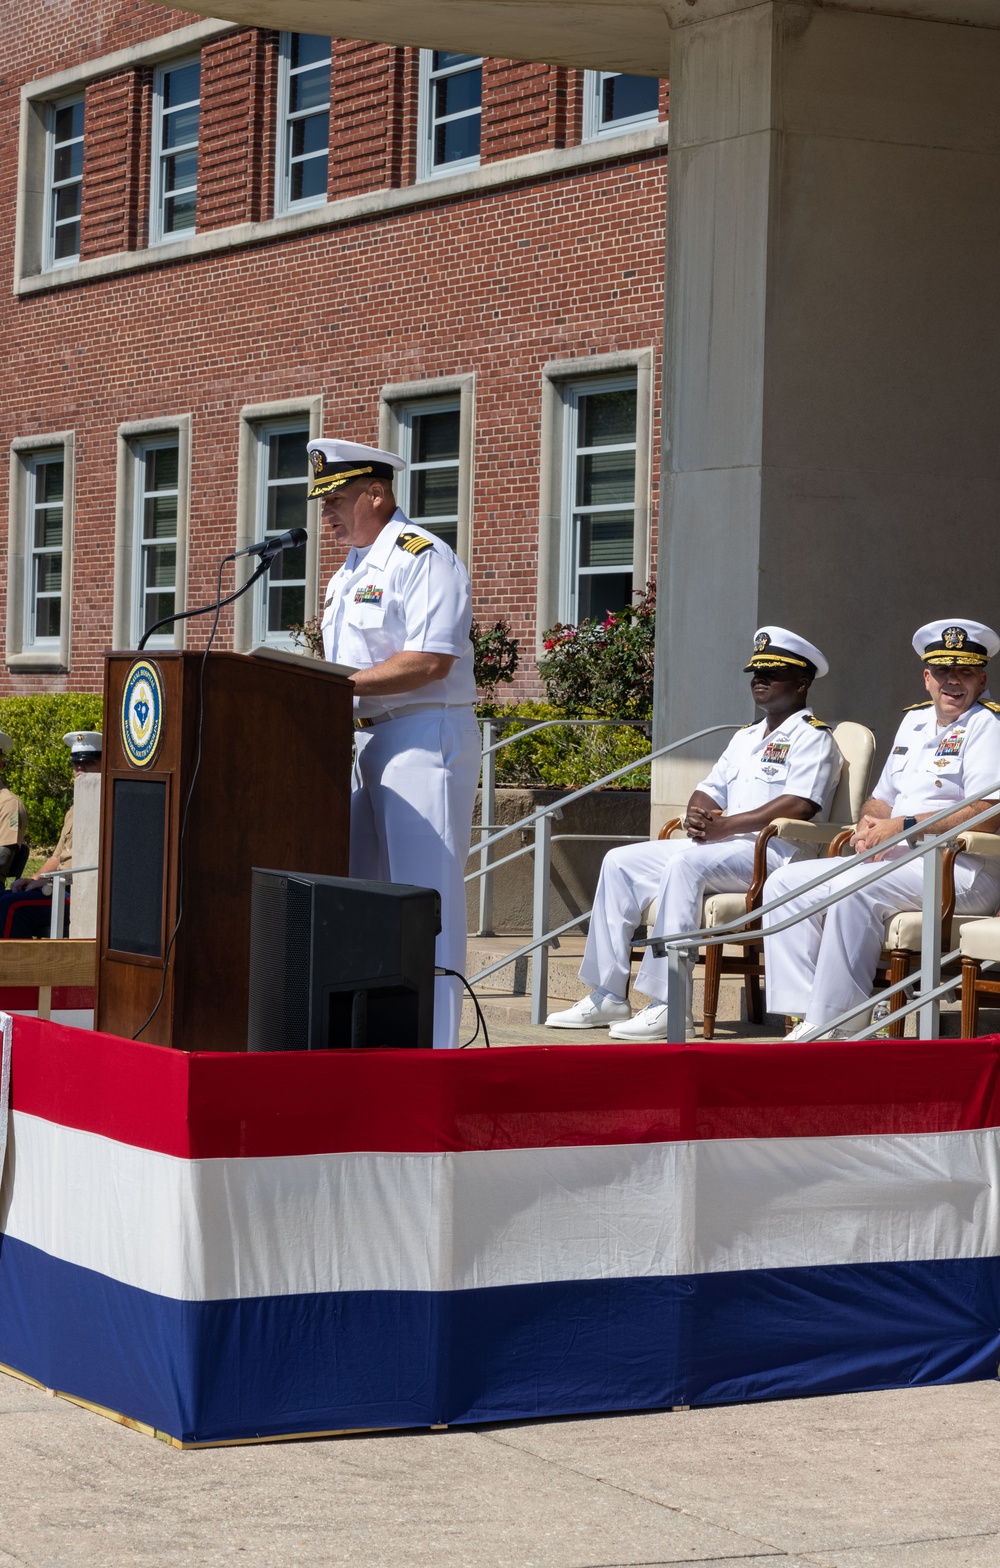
{"x": 63, "y": 183}
{"x": 155, "y": 543}
{"x": 303, "y": 121}
{"x": 599, "y": 494}
{"x": 614, "y": 101}
{"x": 451, "y": 111}
{"x": 282, "y": 484}
{"x": 429, "y": 442}
{"x": 45, "y": 500}
{"x": 176, "y": 115}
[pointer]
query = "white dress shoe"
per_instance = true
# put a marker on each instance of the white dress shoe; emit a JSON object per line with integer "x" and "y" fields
{"x": 802, "y": 1028}
{"x": 650, "y": 1024}
{"x": 596, "y": 1011}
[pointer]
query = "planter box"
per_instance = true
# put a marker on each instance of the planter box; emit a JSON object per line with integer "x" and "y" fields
{"x": 575, "y": 865}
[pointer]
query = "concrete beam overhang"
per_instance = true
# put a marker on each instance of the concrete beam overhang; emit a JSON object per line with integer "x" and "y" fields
{"x": 604, "y": 35}
{"x": 608, "y": 35}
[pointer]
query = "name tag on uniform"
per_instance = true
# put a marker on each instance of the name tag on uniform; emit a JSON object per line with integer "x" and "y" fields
{"x": 900, "y": 751}
{"x": 775, "y": 751}
{"x": 369, "y": 594}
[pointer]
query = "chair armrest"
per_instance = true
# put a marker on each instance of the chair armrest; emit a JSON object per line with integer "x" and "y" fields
{"x": 669, "y": 827}
{"x": 792, "y": 831}
{"x": 985, "y": 844}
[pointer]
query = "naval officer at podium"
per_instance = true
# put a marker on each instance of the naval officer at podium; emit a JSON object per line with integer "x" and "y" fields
{"x": 400, "y": 611}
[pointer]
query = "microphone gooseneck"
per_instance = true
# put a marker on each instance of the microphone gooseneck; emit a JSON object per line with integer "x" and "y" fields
{"x": 267, "y": 549}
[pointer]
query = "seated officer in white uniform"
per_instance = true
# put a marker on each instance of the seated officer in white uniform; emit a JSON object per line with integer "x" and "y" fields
{"x": 400, "y": 610}
{"x": 13, "y": 817}
{"x": 787, "y": 765}
{"x": 946, "y": 748}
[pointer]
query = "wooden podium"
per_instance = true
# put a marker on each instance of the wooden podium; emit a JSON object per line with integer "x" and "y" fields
{"x": 273, "y": 790}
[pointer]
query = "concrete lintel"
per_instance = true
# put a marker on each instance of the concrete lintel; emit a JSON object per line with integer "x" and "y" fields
{"x": 354, "y": 209}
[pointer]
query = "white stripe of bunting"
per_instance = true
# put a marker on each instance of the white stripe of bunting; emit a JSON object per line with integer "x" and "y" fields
{"x": 238, "y": 1228}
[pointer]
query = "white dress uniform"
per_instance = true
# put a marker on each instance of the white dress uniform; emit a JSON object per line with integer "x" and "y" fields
{"x": 826, "y": 964}
{"x": 798, "y": 757}
{"x": 417, "y": 754}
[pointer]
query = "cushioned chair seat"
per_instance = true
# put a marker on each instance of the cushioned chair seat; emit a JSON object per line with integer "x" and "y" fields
{"x": 720, "y": 907}
{"x": 980, "y": 939}
{"x": 903, "y": 930}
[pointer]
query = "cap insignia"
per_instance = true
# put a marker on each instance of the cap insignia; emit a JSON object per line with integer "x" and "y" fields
{"x": 316, "y": 459}
{"x": 954, "y": 637}
{"x": 761, "y": 641}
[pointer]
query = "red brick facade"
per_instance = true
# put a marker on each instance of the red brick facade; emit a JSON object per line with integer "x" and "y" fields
{"x": 497, "y": 280}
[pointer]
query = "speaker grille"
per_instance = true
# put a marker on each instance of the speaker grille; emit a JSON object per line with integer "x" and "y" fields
{"x": 138, "y": 830}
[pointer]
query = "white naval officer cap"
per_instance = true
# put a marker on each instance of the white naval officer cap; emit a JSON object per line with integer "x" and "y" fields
{"x": 775, "y": 648}
{"x": 6, "y": 744}
{"x": 84, "y": 744}
{"x": 335, "y": 463}
{"x": 954, "y": 641}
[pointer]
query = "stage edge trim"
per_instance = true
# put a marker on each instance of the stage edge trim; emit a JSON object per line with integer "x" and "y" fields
{"x": 175, "y": 1442}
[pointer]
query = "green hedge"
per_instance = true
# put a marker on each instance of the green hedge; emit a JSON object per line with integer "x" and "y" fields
{"x": 38, "y": 768}
{"x": 565, "y": 757}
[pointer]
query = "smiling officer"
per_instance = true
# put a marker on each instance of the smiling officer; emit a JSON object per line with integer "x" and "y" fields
{"x": 946, "y": 749}
{"x": 787, "y": 765}
{"x": 400, "y": 610}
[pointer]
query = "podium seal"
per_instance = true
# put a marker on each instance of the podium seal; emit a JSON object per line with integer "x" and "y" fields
{"x": 142, "y": 713}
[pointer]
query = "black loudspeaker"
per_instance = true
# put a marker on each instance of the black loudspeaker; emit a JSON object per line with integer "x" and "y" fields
{"x": 340, "y": 963}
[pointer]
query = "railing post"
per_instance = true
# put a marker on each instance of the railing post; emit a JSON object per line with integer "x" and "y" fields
{"x": 540, "y": 921}
{"x": 57, "y": 914}
{"x": 676, "y": 995}
{"x": 930, "y": 943}
{"x": 487, "y": 818}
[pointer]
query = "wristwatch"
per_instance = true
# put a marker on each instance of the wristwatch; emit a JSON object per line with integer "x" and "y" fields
{"x": 909, "y": 823}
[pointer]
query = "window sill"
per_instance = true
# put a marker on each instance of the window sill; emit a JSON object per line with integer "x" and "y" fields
{"x": 352, "y": 209}
{"x": 42, "y": 662}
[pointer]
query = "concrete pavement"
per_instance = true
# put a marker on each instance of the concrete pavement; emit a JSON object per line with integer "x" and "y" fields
{"x": 909, "y": 1479}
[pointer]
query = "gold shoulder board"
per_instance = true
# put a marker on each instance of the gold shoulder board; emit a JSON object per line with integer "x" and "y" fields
{"x": 914, "y": 706}
{"x": 816, "y": 723}
{"x": 994, "y": 707}
{"x": 414, "y": 544}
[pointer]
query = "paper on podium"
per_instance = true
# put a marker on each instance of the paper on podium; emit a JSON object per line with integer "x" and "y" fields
{"x": 264, "y": 651}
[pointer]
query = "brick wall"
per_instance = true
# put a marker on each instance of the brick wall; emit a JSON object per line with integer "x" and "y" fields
{"x": 115, "y": 163}
{"x": 496, "y": 283}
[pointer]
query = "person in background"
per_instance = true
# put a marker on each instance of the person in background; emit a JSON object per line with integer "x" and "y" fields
{"x": 26, "y": 910}
{"x": 13, "y": 817}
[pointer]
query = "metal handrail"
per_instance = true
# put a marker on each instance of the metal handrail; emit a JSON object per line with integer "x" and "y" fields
{"x": 57, "y": 878}
{"x": 489, "y": 784}
{"x": 675, "y": 944}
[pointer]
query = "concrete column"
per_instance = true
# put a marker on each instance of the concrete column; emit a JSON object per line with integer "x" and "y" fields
{"x": 832, "y": 450}
{"x": 86, "y": 845}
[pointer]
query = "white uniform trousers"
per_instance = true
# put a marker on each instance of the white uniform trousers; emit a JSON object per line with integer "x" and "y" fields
{"x": 414, "y": 789}
{"x": 826, "y": 963}
{"x": 677, "y": 873}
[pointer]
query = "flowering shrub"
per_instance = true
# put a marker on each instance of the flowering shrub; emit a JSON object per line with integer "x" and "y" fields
{"x": 497, "y": 654}
{"x": 564, "y": 757}
{"x": 604, "y": 667}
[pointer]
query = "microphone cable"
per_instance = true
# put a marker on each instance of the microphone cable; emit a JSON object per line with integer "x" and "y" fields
{"x": 187, "y": 804}
{"x": 480, "y": 1020}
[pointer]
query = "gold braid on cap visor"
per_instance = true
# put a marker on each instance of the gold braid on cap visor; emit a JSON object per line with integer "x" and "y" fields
{"x": 334, "y": 481}
{"x": 775, "y": 661}
{"x": 951, "y": 656}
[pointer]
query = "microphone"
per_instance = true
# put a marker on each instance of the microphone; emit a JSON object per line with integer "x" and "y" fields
{"x": 274, "y": 545}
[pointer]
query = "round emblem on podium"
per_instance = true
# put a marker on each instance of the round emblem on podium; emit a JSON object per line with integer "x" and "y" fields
{"x": 142, "y": 713}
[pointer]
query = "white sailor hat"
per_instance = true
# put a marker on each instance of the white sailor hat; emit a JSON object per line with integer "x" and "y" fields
{"x": 335, "y": 463}
{"x": 954, "y": 641}
{"x": 775, "y": 648}
{"x": 84, "y": 745}
{"x": 5, "y": 742}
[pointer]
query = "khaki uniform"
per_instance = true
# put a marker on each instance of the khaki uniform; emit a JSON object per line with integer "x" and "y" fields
{"x": 13, "y": 828}
{"x": 63, "y": 851}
